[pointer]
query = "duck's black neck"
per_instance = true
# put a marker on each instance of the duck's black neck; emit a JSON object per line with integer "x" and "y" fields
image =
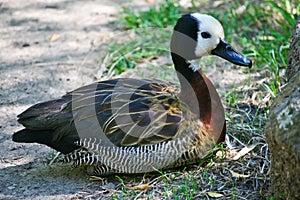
{"x": 194, "y": 90}
{"x": 182, "y": 67}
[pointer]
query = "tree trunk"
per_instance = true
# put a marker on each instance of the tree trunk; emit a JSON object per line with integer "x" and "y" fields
{"x": 283, "y": 129}
{"x": 294, "y": 57}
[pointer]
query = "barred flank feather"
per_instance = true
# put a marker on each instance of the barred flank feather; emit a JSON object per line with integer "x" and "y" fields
{"x": 99, "y": 170}
{"x": 138, "y": 159}
{"x": 81, "y": 156}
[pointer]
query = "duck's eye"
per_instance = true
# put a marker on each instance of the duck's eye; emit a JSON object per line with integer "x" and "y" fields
{"x": 206, "y": 35}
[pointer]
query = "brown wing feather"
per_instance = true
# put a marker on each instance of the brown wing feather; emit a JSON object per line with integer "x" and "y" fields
{"x": 128, "y": 111}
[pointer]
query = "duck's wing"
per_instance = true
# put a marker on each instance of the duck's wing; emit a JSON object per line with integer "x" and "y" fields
{"x": 127, "y": 112}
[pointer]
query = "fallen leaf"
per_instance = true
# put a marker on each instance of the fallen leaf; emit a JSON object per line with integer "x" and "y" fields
{"x": 244, "y": 151}
{"x": 55, "y": 37}
{"x": 152, "y": 58}
{"x": 139, "y": 187}
{"x": 234, "y": 174}
{"x": 214, "y": 194}
{"x": 96, "y": 178}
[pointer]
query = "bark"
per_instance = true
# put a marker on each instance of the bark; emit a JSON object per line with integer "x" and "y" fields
{"x": 283, "y": 129}
{"x": 294, "y": 56}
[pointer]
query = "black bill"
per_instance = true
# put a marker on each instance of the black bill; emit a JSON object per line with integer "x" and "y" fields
{"x": 225, "y": 50}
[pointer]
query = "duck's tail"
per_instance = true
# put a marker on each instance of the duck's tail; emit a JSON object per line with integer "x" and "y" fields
{"x": 45, "y": 116}
{"x": 50, "y": 138}
{"x": 44, "y": 123}
{"x": 29, "y": 136}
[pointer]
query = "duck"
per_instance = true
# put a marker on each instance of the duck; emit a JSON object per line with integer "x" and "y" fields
{"x": 130, "y": 125}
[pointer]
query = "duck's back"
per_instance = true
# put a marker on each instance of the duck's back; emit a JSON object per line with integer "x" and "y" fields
{"x": 128, "y": 112}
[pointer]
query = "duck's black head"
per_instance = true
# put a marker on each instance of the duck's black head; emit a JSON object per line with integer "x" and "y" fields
{"x": 197, "y": 35}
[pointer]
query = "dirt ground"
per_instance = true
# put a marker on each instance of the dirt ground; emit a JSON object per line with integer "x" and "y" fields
{"x": 48, "y": 48}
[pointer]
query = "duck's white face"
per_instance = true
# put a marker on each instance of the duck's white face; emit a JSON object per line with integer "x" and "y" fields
{"x": 197, "y": 35}
{"x": 210, "y": 32}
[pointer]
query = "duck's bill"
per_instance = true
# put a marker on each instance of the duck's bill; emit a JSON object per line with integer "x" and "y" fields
{"x": 225, "y": 51}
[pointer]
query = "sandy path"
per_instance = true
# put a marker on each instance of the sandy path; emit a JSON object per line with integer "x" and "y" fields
{"x": 47, "y": 49}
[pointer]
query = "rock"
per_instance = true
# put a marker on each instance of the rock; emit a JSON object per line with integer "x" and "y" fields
{"x": 282, "y": 129}
{"x": 294, "y": 56}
